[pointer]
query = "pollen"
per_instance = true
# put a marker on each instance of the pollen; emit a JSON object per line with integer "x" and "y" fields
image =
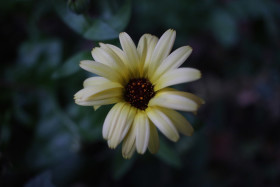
{"x": 138, "y": 93}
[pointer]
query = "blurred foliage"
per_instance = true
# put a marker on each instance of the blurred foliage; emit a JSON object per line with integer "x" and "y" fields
{"x": 47, "y": 140}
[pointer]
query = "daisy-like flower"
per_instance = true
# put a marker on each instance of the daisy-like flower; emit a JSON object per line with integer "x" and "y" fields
{"x": 137, "y": 80}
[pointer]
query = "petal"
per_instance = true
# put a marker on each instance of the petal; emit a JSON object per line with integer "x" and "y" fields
{"x": 145, "y": 48}
{"x": 174, "y": 60}
{"x": 162, "y": 49}
{"x": 142, "y": 132}
{"x": 129, "y": 153}
{"x": 154, "y": 140}
{"x": 118, "y": 52}
{"x": 101, "y": 70}
{"x": 174, "y": 100}
{"x": 177, "y": 76}
{"x": 116, "y": 58}
{"x": 120, "y": 126}
{"x": 129, "y": 122}
{"x": 180, "y": 122}
{"x": 100, "y": 55}
{"x": 93, "y": 81}
{"x": 163, "y": 123}
{"x": 129, "y": 48}
{"x": 87, "y": 92}
{"x": 96, "y": 107}
{"x": 189, "y": 95}
{"x": 129, "y": 141}
{"x": 107, "y": 101}
{"x": 142, "y": 51}
{"x": 110, "y": 119}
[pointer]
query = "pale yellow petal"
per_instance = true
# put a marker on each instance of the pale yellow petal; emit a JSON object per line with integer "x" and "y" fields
{"x": 180, "y": 122}
{"x": 177, "y": 76}
{"x": 129, "y": 140}
{"x": 93, "y": 81}
{"x": 173, "y": 100}
{"x": 154, "y": 140}
{"x": 107, "y": 101}
{"x": 90, "y": 91}
{"x": 145, "y": 48}
{"x": 163, "y": 123}
{"x": 100, "y": 55}
{"x": 96, "y": 107}
{"x": 129, "y": 121}
{"x": 120, "y": 127}
{"x": 142, "y": 132}
{"x": 128, "y": 154}
{"x": 174, "y": 60}
{"x": 129, "y": 48}
{"x": 189, "y": 95}
{"x": 101, "y": 70}
{"x": 118, "y": 52}
{"x": 116, "y": 58}
{"x": 110, "y": 120}
{"x": 162, "y": 49}
{"x": 142, "y": 51}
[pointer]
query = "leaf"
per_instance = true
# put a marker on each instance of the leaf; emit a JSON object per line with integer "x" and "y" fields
{"x": 90, "y": 125}
{"x": 121, "y": 18}
{"x": 168, "y": 155}
{"x": 71, "y": 65}
{"x": 95, "y": 28}
{"x": 121, "y": 166}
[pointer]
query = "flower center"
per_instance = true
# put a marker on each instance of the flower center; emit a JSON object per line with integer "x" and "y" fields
{"x": 138, "y": 93}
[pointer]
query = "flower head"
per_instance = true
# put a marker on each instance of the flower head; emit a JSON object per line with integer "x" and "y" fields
{"x": 137, "y": 80}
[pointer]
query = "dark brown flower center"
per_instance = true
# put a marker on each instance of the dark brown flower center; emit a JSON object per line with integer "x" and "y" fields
{"x": 138, "y": 92}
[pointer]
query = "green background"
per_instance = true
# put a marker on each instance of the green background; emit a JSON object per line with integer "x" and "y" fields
{"x": 47, "y": 140}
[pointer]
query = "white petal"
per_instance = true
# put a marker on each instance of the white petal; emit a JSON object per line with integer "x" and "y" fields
{"x": 116, "y": 58}
{"x": 145, "y": 50}
{"x": 101, "y": 70}
{"x": 91, "y": 91}
{"x": 128, "y": 154}
{"x": 129, "y": 48}
{"x": 174, "y": 100}
{"x": 99, "y": 102}
{"x": 163, "y": 123}
{"x": 129, "y": 122}
{"x": 180, "y": 122}
{"x": 177, "y": 76}
{"x": 96, "y": 107}
{"x": 142, "y": 132}
{"x": 120, "y": 127}
{"x": 110, "y": 119}
{"x": 129, "y": 141}
{"x": 100, "y": 55}
{"x": 154, "y": 140}
{"x": 93, "y": 81}
{"x": 162, "y": 49}
{"x": 173, "y": 61}
{"x": 118, "y": 52}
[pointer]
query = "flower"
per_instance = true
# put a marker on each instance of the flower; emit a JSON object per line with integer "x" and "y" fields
{"x": 137, "y": 80}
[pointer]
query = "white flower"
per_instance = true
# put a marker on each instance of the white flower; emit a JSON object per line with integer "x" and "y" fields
{"x": 137, "y": 81}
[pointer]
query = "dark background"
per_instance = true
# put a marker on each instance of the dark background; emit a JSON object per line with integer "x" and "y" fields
{"x": 48, "y": 140}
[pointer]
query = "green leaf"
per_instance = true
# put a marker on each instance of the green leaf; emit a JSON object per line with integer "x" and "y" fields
{"x": 121, "y": 18}
{"x": 91, "y": 123}
{"x": 121, "y": 166}
{"x": 168, "y": 155}
{"x": 95, "y": 28}
{"x": 71, "y": 65}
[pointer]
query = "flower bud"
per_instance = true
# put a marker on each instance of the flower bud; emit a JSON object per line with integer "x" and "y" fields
{"x": 78, "y": 6}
